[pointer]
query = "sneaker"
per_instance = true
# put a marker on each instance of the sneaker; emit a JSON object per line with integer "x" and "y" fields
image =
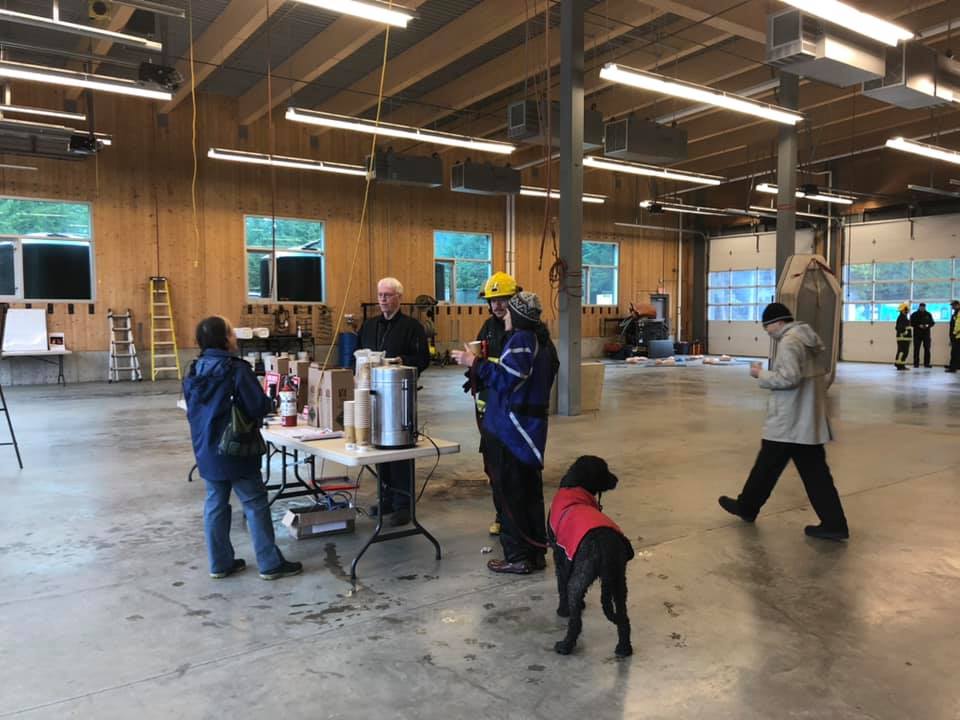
{"x": 494, "y": 528}
{"x": 520, "y": 567}
{"x": 819, "y": 531}
{"x": 733, "y": 507}
{"x": 239, "y": 564}
{"x": 285, "y": 569}
{"x": 399, "y": 517}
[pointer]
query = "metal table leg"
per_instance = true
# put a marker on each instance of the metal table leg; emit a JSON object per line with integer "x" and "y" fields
{"x": 60, "y": 378}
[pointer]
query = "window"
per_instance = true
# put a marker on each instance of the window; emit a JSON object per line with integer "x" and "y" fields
{"x": 601, "y": 270}
{"x": 46, "y": 251}
{"x": 462, "y": 264}
{"x": 873, "y": 292}
{"x": 285, "y": 259}
{"x": 740, "y": 295}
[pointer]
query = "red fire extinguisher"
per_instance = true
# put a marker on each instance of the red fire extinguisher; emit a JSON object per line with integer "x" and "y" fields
{"x": 288, "y": 402}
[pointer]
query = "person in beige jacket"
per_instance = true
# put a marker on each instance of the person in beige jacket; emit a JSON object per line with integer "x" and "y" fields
{"x": 796, "y": 427}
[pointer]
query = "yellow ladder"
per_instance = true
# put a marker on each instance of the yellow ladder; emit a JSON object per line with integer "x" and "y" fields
{"x": 164, "y": 357}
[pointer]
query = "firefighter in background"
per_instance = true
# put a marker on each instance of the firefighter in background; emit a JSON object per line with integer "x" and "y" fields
{"x": 954, "y": 332}
{"x": 921, "y": 321}
{"x": 497, "y": 291}
{"x": 904, "y": 335}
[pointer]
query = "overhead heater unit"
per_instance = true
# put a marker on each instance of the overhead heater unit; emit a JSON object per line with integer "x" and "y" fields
{"x": 917, "y": 77}
{"x": 645, "y": 141}
{"x": 803, "y": 44}
{"x": 484, "y": 179}
{"x": 20, "y": 137}
{"x": 526, "y": 123}
{"x": 396, "y": 169}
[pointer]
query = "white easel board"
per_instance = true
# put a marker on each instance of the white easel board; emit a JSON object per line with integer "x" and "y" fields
{"x": 25, "y": 330}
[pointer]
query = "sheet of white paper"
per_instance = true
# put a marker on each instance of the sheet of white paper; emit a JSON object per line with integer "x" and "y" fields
{"x": 25, "y": 330}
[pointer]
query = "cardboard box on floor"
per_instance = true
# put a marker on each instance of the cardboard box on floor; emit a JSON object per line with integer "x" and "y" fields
{"x": 307, "y": 522}
{"x": 591, "y": 388}
{"x": 327, "y": 391}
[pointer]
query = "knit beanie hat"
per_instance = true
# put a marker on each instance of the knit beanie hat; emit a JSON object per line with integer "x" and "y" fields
{"x": 525, "y": 309}
{"x": 775, "y": 312}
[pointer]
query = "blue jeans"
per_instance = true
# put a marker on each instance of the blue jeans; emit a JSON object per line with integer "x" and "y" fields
{"x": 216, "y": 523}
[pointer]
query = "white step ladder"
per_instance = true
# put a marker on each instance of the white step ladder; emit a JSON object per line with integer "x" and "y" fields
{"x": 123, "y": 352}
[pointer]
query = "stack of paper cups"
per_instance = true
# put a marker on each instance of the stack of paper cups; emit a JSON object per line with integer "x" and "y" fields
{"x": 348, "y": 421}
{"x": 361, "y": 416}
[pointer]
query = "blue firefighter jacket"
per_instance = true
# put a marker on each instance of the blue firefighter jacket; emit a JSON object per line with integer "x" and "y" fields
{"x": 518, "y": 395}
{"x": 209, "y": 389}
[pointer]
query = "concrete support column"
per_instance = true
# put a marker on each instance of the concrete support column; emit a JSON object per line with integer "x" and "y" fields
{"x": 571, "y": 204}
{"x": 787, "y": 175}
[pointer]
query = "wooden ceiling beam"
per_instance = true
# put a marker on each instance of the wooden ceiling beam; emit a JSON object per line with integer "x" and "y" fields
{"x": 323, "y": 52}
{"x": 232, "y": 27}
{"x": 738, "y": 19}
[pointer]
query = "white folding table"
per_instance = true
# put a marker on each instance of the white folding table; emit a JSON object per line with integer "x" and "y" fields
{"x": 41, "y": 355}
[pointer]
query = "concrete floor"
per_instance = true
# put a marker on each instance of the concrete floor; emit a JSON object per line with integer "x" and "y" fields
{"x": 106, "y": 610}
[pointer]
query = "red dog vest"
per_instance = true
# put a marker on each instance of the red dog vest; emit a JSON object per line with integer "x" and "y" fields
{"x": 573, "y": 513}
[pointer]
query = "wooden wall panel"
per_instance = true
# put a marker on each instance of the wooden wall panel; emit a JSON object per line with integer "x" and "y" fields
{"x": 143, "y": 218}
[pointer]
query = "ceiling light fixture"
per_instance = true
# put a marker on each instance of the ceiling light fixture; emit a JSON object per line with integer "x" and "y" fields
{"x": 8, "y": 166}
{"x": 919, "y": 148}
{"x": 281, "y": 161}
{"x": 697, "y": 93}
{"x": 345, "y": 122}
{"x": 68, "y": 78}
{"x": 857, "y": 21}
{"x": 933, "y": 191}
{"x": 554, "y": 194}
{"x": 808, "y": 193}
{"x": 603, "y": 163}
{"x": 772, "y": 212}
{"x": 158, "y": 8}
{"x": 376, "y": 11}
{"x": 55, "y": 23}
{"x": 655, "y": 207}
{"x": 42, "y": 112}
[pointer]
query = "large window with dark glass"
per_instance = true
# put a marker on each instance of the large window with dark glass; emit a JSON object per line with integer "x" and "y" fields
{"x": 46, "y": 251}
{"x": 285, "y": 259}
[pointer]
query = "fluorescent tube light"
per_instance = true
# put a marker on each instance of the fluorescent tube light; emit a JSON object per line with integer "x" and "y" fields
{"x": 681, "y": 208}
{"x": 857, "y": 21}
{"x": 376, "y": 11}
{"x": 76, "y": 29}
{"x": 345, "y": 122}
{"x": 42, "y": 112}
{"x": 933, "y": 191}
{"x": 918, "y": 148}
{"x": 814, "y": 197}
{"x": 772, "y": 212}
{"x": 554, "y": 194}
{"x": 158, "y": 8}
{"x": 8, "y": 166}
{"x": 293, "y": 163}
{"x": 68, "y": 78}
{"x": 602, "y": 163}
{"x": 697, "y": 93}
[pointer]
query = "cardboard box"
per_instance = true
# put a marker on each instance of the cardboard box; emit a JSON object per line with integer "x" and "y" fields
{"x": 301, "y": 368}
{"x": 308, "y": 522}
{"x": 336, "y": 387}
{"x": 274, "y": 363}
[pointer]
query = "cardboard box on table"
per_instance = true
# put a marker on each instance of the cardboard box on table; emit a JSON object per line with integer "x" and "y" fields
{"x": 274, "y": 363}
{"x": 327, "y": 391}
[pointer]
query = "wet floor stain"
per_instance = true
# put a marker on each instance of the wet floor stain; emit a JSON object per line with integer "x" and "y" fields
{"x": 331, "y": 561}
{"x": 261, "y": 607}
{"x": 488, "y": 606}
{"x": 212, "y": 596}
{"x": 178, "y": 583}
{"x": 198, "y": 613}
{"x": 134, "y": 618}
{"x": 536, "y": 668}
{"x": 470, "y": 657}
{"x": 321, "y": 617}
{"x": 427, "y": 660}
{"x": 670, "y": 611}
{"x": 508, "y": 614}
{"x": 407, "y": 577}
{"x": 679, "y": 640}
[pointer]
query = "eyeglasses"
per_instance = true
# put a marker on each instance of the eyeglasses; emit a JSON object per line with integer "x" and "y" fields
{"x": 386, "y": 296}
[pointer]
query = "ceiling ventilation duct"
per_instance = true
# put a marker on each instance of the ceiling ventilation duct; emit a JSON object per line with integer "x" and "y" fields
{"x": 802, "y": 44}
{"x": 917, "y": 77}
{"x": 645, "y": 141}
{"x": 20, "y": 137}
{"x": 524, "y": 120}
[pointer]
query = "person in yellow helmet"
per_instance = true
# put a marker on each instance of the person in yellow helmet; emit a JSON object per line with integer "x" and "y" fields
{"x": 497, "y": 291}
{"x": 904, "y": 336}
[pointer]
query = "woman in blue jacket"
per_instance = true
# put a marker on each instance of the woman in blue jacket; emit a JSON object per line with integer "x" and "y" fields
{"x": 218, "y": 379}
{"x": 515, "y": 429}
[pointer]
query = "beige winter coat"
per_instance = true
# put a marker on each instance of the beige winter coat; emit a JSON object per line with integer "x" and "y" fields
{"x": 797, "y": 408}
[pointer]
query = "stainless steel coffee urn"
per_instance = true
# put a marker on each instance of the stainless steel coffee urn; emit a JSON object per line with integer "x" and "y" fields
{"x": 393, "y": 406}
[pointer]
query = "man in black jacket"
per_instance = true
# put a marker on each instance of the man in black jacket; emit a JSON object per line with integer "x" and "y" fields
{"x": 953, "y": 332}
{"x": 921, "y": 321}
{"x": 398, "y": 336}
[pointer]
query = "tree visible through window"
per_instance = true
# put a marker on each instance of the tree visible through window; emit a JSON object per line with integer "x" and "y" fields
{"x": 601, "y": 265}
{"x": 740, "y": 295}
{"x": 46, "y": 250}
{"x": 285, "y": 259}
{"x": 873, "y": 292}
{"x": 462, "y": 264}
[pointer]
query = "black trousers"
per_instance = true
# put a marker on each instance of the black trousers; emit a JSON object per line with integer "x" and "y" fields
{"x": 903, "y": 349}
{"x": 954, "y": 355}
{"x": 924, "y": 340}
{"x": 523, "y": 527}
{"x": 811, "y": 462}
{"x": 396, "y": 485}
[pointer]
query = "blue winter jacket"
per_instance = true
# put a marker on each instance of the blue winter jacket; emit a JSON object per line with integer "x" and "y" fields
{"x": 208, "y": 389}
{"x": 518, "y": 397}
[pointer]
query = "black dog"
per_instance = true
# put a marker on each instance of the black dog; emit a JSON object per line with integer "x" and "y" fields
{"x": 578, "y": 530}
